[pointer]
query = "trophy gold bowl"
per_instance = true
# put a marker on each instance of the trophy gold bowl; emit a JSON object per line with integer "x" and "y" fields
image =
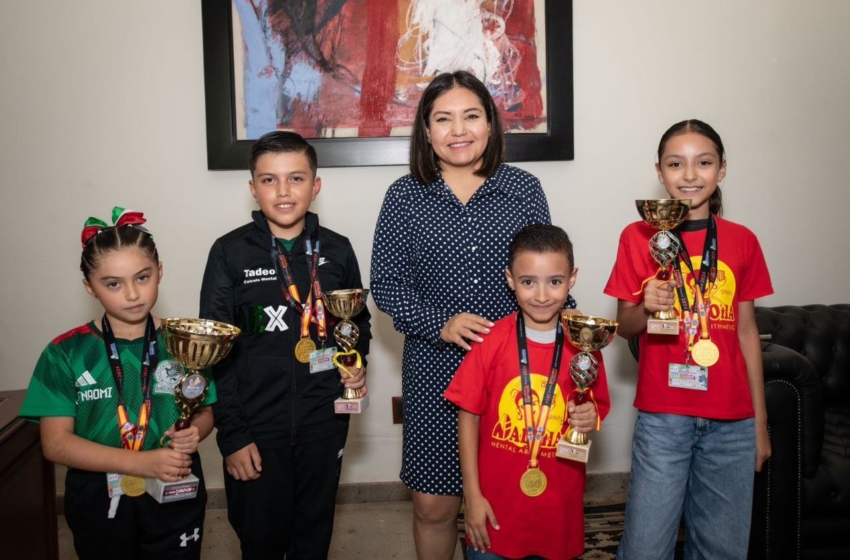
{"x": 588, "y": 334}
{"x": 346, "y": 304}
{"x": 195, "y": 344}
{"x": 664, "y": 214}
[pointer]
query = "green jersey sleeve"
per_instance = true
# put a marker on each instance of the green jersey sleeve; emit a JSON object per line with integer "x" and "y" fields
{"x": 51, "y": 391}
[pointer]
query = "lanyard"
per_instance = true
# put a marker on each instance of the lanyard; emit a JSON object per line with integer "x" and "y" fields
{"x": 132, "y": 436}
{"x": 534, "y": 434}
{"x": 317, "y": 288}
{"x": 707, "y": 275}
{"x": 290, "y": 290}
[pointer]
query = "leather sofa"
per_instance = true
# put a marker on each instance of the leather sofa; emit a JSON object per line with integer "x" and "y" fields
{"x": 801, "y": 500}
{"x": 801, "y": 505}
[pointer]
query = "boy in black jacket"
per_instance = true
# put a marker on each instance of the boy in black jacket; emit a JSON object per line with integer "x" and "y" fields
{"x": 281, "y": 441}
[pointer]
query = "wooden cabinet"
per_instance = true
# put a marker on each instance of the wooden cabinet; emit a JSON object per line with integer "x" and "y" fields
{"x": 27, "y": 488}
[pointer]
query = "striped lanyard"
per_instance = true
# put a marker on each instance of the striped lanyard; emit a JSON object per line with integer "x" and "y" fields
{"x": 132, "y": 435}
{"x": 290, "y": 290}
{"x": 696, "y": 316}
{"x": 534, "y": 434}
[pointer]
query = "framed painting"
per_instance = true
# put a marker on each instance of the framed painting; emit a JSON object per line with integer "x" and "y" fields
{"x": 347, "y": 74}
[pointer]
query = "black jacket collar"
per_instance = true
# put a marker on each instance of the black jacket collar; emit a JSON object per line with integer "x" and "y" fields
{"x": 311, "y": 226}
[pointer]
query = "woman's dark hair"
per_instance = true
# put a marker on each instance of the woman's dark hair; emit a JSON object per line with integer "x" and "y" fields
{"x": 715, "y": 203}
{"x": 114, "y": 238}
{"x": 541, "y": 238}
{"x": 282, "y": 141}
{"x": 423, "y": 161}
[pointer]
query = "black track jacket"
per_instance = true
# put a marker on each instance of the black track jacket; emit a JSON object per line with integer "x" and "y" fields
{"x": 265, "y": 396}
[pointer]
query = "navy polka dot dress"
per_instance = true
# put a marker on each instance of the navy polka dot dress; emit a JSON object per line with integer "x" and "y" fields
{"x": 432, "y": 258}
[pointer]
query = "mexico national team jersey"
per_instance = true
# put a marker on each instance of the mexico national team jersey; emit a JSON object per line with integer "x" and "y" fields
{"x": 73, "y": 379}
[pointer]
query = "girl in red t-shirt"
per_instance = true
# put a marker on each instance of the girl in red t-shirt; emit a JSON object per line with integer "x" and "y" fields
{"x": 702, "y": 423}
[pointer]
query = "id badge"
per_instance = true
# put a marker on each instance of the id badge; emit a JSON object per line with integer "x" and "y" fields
{"x": 113, "y": 484}
{"x": 322, "y": 359}
{"x": 686, "y": 376}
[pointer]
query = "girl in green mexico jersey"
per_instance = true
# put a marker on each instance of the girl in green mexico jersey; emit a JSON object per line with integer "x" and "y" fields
{"x": 103, "y": 394}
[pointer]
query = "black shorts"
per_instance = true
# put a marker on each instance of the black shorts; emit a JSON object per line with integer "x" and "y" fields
{"x": 141, "y": 529}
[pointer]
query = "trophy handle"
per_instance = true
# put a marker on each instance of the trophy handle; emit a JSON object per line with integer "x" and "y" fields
{"x": 665, "y": 273}
{"x": 196, "y": 385}
{"x": 349, "y": 360}
{"x": 580, "y": 438}
{"x": 181, "y": 424}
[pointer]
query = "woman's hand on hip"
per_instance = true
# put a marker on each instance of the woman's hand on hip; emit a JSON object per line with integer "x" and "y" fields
{"x": 465, "y": 327}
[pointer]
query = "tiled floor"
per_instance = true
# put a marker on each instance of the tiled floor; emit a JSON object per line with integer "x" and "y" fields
{"x": 368, "y": 531}
{"x": 365, "y": 528}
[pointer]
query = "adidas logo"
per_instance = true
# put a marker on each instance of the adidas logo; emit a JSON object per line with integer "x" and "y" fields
{"x": 85, "y": 380}
{"x": 86, "y": 390}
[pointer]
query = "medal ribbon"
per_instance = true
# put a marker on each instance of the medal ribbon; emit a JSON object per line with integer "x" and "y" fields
{"x": 534, "y": 434}
{"x": 290, "y": 290}
{"x": 132, "y": 436}
{"x": 319, "y": 309}
{"x": 691, "y": 318}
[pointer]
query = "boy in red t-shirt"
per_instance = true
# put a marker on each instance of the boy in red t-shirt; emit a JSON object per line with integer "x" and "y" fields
{"x": 494, "y": 417}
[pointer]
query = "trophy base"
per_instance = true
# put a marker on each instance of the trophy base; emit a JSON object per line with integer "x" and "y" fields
{"x": 351, "y": 406}
{"x": 662, "y": 326}
{"x": 167, "y": 492}
{"x": 573, "y": 451}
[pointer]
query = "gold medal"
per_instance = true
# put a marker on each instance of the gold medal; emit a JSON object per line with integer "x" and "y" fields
{"x": 133, "y": 486}
{"x": 705, "y": 352}
{"x": 533, "y": 482}
{"x": 303, "y": 349}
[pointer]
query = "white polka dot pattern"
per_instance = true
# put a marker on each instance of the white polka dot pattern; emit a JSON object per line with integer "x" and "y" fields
{"x": 432, "y": 258}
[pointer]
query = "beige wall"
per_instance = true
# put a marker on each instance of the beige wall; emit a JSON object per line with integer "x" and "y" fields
{"x": 103, "y": 104}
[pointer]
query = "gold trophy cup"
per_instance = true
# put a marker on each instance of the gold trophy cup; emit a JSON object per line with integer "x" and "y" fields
{"x": 346, "y": 304}
{"x": 588, "y": 334}
{"x": 195, "y": 344}
{"x": 663, "y": 214}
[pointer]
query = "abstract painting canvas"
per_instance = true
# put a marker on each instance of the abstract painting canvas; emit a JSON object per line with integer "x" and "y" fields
{"x": 343, "y": 71}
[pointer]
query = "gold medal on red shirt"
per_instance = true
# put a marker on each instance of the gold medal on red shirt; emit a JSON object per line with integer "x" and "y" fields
{"x": 705, "y": 352}
{"x": 533, "y": 482}
{"x": 132, "y": 485}
{"x": 702, "y": 351}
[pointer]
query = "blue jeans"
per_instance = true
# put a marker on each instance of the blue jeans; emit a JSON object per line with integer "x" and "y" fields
{"x": 472, "y": 554}
{"x": 702, "y": 468}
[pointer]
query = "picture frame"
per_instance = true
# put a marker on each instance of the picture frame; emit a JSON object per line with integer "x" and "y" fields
{"x": 226, "y": 152}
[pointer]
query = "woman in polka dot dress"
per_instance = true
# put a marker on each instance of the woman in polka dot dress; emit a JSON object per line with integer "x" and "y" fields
{"x": 438, "y": 261}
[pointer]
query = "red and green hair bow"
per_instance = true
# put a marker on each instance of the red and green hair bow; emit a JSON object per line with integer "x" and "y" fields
{"x": 120, "y": 217}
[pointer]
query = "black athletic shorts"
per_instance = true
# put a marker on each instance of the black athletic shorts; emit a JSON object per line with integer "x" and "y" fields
{"x": 141, "y": 529}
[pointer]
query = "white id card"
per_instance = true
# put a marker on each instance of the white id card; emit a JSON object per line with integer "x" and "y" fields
{"x": 113, "y": 484}
{"x": 322, "y": 359}
{"x": 686, "y": 376}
